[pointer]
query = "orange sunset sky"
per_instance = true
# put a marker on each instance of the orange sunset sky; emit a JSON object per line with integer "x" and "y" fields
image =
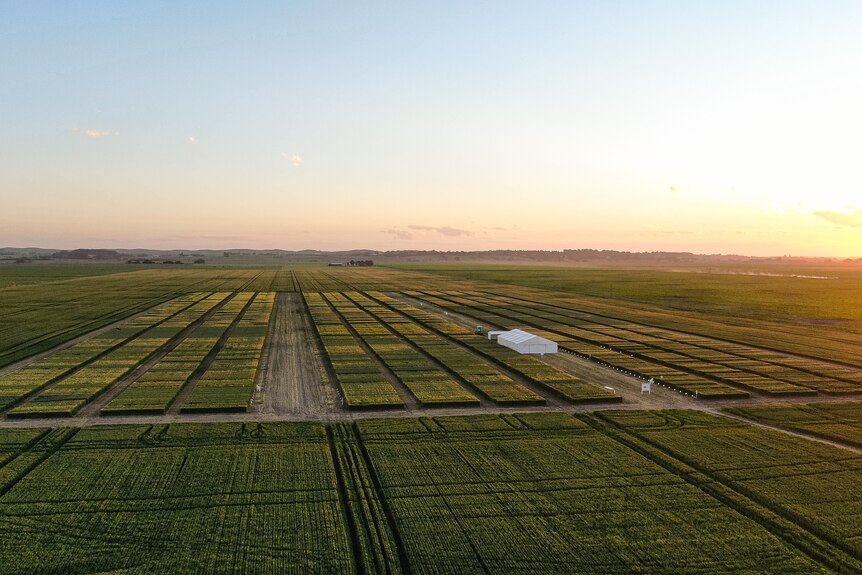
{"x": 729, "y": 127}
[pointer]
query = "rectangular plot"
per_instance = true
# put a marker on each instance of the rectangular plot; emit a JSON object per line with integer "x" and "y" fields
{"x": 430, "y": 385}
{"x": 71, "y": 393}
{"x": 229, "y": 382}
{"x": 346, "y": 357}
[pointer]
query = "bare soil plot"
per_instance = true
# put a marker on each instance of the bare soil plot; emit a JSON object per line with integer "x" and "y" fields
{"x": 293, "y": 377}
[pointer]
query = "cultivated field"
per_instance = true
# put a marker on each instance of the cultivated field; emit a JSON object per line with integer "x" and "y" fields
{"x": 314, "y": 419}
{"x": 614, "y": 492}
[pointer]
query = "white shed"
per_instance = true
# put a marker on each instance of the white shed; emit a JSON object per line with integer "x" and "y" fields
{"x": 525, "y": 342}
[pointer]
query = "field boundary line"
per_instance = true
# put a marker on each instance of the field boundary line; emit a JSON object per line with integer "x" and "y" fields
{"x": 380, "y": 553}
{"x": 54, "y": 381}
{"x": 782, "y": 523}
{"x": 809, "y": 435}
{"x": 186, "y": 388}
{"x": 352, "y": 532}
{"x": 64, "y": 435}
{"x": 96, "y": 405}
{"x": 484, "y": 400}
{"x": 24, "y": 448}
{"x": 410, "y": 401}
{"x": 379, "y": 493}
{"x": 687, "y": 332}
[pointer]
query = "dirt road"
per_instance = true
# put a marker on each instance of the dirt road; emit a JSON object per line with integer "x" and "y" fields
{"x": 293, "y": 379}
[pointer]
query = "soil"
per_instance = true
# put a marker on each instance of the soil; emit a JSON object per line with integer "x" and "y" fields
{"x": 292, "y": 377}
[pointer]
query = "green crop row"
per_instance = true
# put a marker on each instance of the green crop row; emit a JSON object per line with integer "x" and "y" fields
{"x": 361, "y": 384}
{"x": 429, "y": 384}
{"x": 550, "y": 378}
{"x": 758, "y": 370}
{"x": 228, "y": 384}
{"x": 673, "y": 378}
{"x": 487, "y": 380}
{"x": 612, "y": 492}
{"x": 23, "y": 382}
{"x": 71, "y": 393}
{"x": 156, "y": 389}
{"x": 182, "y": 499}
{"x": 810, "y": 488}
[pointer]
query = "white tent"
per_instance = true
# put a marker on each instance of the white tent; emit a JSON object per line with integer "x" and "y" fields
{"x": 525, "y": 342}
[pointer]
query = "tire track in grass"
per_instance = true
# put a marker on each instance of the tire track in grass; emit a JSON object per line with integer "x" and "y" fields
{"x": 378, "y": 486}
{"x": 365, "y": 459}
{"x": 24, "y": 448}
{"x": 373, "y": 534}
{"x": 187, "y": 388}
{"x": 831, "y": 554}
{"x": 810, "y": 435}
{"x": 355, "y": 545}
{"x": 48, "y": 444}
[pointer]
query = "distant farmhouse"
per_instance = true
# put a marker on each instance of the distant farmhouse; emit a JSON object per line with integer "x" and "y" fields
{"x": 352, "y": 263}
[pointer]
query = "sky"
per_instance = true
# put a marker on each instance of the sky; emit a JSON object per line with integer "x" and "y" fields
{"x": 712, "y": 127}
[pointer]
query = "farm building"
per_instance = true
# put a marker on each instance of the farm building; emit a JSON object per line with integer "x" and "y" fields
{"x": 523, "y": 341}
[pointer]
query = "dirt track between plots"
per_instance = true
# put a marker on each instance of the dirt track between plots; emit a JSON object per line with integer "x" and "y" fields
{"x": 293, "y": 379}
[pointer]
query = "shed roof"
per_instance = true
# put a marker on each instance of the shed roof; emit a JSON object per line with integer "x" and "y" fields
{"x": 520, "y": 336}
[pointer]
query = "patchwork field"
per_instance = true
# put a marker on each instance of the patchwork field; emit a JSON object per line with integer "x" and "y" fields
{"x": 323, "y": 420}
{"x": 193, "y": 340}
{"x": 805, "y": 309}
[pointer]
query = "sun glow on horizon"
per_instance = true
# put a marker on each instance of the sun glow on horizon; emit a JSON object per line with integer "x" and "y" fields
{"x": 725, "y": 128}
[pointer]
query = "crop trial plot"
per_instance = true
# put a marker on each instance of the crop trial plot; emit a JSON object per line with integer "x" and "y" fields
{"x": 156, "y": 389}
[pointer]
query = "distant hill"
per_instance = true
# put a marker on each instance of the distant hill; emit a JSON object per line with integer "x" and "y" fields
{"x": 558, "y": 257}
{"x": 87, "y": 254}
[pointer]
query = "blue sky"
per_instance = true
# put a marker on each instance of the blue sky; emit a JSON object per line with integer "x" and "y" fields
{"x": 720, "y": 127}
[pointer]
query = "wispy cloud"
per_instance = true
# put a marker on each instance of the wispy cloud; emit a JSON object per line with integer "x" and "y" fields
{"x": 295, "y": 159}
{"x": 398, "y": 234}
{"x": 852, "y": 220}
{"x": 444, "y": 230}
{"x": 96, "y": 133}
